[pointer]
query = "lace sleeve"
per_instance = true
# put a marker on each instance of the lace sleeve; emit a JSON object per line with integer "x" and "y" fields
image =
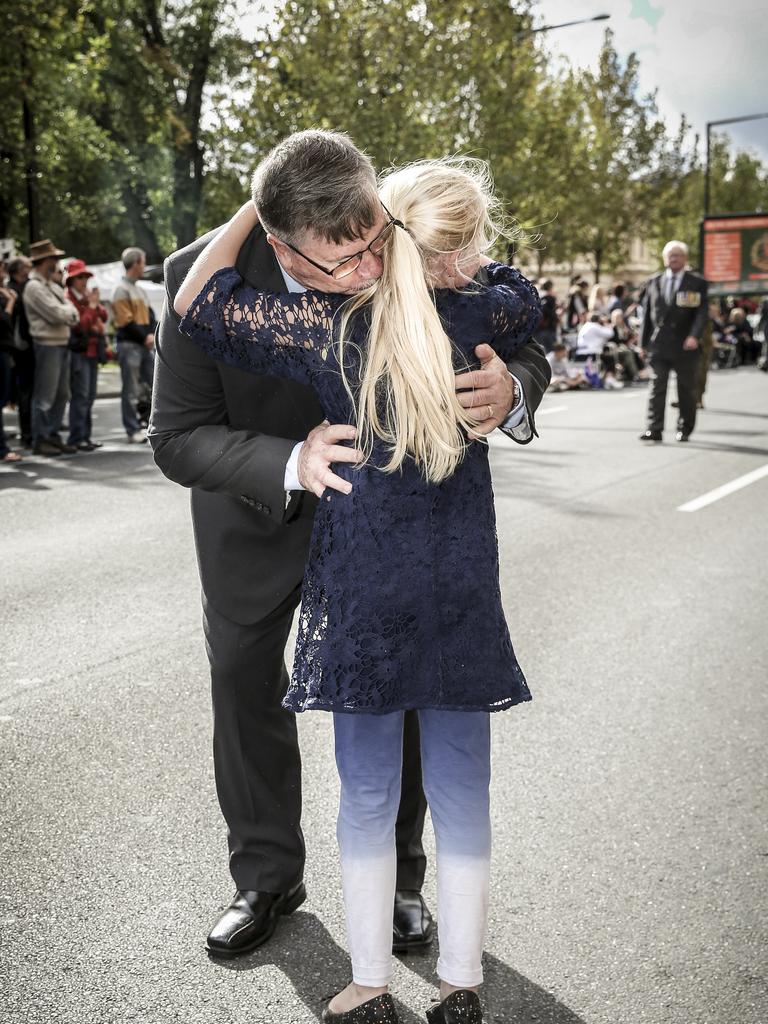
{"x": 515, "y": 309}
{"x": 286, "y": 335}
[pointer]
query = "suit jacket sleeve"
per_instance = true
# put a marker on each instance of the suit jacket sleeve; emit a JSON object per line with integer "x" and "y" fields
{"x": 191, "y": 438}
{"x": 529, "y": 364}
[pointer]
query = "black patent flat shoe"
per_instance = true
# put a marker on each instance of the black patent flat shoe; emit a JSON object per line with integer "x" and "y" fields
{"x": 251, "y": 919}
{"x": 412, "y": 924}
{"x": 379, "y": 1010}
{"x": 462, "y": 1007}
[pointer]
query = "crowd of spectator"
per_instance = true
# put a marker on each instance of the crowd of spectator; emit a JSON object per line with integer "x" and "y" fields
{"x": 592, "y": 338}
{"x": 54, "y": 333}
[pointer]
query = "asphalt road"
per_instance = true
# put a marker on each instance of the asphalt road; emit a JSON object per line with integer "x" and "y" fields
{"x": 630, "y": 801}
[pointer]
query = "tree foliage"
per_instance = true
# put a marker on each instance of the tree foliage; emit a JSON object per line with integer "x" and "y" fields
{"x": 140, "y": 121}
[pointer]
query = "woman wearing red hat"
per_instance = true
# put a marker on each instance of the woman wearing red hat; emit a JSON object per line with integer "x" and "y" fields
{"x": 84, "y": 343}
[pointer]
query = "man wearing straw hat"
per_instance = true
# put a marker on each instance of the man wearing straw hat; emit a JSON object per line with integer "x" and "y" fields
{"x": 51, "y": 317}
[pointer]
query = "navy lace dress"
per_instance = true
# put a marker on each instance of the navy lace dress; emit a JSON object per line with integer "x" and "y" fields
{"x": 401, "y": 606}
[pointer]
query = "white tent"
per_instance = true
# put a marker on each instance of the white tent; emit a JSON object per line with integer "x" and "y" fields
{"x": 107, "y": 276}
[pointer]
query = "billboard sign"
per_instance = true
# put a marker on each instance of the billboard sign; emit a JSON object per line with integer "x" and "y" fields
{"x": 735, "y": 248}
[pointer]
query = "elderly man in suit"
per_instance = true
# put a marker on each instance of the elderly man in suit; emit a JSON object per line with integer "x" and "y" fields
{"x": 675, "y": 315}
{"x": 256, "y": 455}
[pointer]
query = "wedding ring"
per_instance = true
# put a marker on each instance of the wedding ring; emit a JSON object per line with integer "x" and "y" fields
{"x": 490, "y": 412}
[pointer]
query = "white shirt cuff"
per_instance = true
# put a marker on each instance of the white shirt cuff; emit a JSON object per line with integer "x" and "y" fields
{"x": 291, "y": 478}
{"x": 515, "y": 417}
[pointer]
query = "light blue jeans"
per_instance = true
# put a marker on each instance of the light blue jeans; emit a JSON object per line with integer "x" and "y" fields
{"x": 456, "y": 767}
{"x": 51, "y": 390}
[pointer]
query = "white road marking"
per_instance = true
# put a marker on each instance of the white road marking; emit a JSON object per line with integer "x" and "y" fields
{"x": 555, "y": 408}
{"x": 635, "y": 394}
{"x": 725, "y": 490}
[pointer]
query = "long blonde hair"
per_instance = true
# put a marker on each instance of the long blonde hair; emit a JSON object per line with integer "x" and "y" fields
{"x": 446, "y": 207}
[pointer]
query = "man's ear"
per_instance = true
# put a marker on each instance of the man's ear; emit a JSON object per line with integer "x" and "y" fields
{"x": 283, "y": 253}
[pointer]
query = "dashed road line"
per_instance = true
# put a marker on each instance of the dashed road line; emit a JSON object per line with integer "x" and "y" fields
{"x": 724, "y": 491}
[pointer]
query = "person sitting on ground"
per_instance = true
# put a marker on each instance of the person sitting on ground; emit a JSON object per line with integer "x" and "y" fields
{"x": 592, "y": 345}
{"x": 740, "y": 333}
{"x": 565, "y": 376}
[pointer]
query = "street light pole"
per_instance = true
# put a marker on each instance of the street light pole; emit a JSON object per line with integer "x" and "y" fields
{"x": 564, "y": 24}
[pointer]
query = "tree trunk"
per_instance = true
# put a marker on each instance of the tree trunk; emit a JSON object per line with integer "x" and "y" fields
{"x": 137, "y": 207}
{"x": 597, "y": 255}
{"x": 30, "y": 156}
{"x": 188, "y": 163}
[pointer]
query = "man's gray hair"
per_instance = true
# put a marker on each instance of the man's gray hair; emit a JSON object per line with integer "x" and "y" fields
{"x": 17, "y": 264}
{"x": 674, "y": 244}
{"x": 131, "y": 256}
{"x": 319, "y": 181}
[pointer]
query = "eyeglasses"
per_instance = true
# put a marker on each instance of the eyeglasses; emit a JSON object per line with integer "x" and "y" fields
{"x": 348, "y": 266}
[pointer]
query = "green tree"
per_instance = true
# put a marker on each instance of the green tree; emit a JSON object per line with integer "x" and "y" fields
{"x": 618, "y": 150}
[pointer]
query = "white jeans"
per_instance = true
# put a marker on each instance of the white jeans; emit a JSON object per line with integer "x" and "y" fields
{"x": 455, "y": 751}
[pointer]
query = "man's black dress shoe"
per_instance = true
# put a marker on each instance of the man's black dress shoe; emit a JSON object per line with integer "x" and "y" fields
{"x": 250, "y": 920}
{"x": 412, "y": 924}
{"x": 379, "y": 1010}
{"x": 462, "y": 1007}
{"x": 651, "y": 435}
{"x": 681, "y": 436}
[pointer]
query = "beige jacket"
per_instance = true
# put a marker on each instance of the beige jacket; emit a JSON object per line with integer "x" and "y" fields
{"x": 49, "y": 311}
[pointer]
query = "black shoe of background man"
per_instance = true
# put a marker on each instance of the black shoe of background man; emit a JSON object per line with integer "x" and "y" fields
{"x": 65, "y": 449}
{"x": 86, "y": 446}
{"x": 682, "y": 436}
{"x": 462, "y": 1007}
{"x": 251, "y": 919}
{"x": 651, "y": 435}
{"x": 379, "y": 1010}
{"x": 412, "y": 924}
{"x": 51, "y": 451}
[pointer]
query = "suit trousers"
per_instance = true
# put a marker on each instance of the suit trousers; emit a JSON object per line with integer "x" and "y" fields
{"x": 256, "y": 757}
{"x": 686, "y": 366}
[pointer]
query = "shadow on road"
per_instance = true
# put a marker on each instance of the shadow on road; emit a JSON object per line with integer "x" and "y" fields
{"x": 111, "y": 468}
{"x": 738, "y": 449}
{"x": 735, "y": 412}
{"x": 317, "y": 967}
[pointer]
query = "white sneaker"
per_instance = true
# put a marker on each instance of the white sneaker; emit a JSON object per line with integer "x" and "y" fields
{"x": 138, "y": 438}
{"x": 610, "y": 383}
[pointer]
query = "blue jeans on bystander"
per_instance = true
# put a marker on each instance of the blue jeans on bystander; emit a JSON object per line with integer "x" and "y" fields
{"x": 83, "y": 376}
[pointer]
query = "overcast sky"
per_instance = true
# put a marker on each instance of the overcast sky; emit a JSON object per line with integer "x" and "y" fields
{"x": 708, "y": 58}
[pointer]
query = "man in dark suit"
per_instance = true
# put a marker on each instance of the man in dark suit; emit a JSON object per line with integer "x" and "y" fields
{"x": 256, "y": 455}
{"x": 675, "y": 315}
